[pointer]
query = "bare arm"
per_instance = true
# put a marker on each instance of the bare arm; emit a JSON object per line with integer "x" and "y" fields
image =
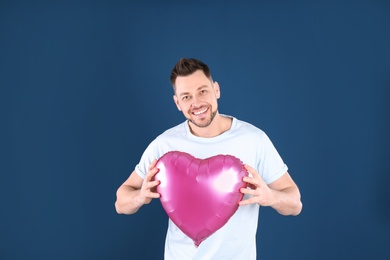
{"x": 283, "y": 194}
{"x": 135, "y": 191}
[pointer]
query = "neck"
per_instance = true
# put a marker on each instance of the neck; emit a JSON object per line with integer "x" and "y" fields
{"x": 219, "y": 125}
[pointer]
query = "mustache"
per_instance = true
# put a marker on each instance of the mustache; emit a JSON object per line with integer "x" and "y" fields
{"x": 192, "y": 109}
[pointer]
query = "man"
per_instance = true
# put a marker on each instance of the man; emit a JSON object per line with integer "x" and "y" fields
{"x": 206, "y": 133}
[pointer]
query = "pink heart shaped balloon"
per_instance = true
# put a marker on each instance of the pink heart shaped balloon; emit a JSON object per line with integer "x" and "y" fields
{"x": 200, "y": 196}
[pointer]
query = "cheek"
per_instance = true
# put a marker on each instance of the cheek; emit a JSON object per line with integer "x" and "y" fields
{"x": 183, "y": 107}
{"x": 214, "y": 101}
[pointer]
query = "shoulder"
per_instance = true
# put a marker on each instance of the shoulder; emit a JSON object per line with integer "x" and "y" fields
{"x": 163, "y": 142}
{"x": 249, "y": 129}
{"x": 173, "y": 132}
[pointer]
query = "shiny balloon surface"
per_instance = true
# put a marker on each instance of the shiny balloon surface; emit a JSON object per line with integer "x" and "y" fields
{"x": 198, "y": 195}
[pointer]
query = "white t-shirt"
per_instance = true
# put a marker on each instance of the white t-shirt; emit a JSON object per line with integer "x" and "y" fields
{"x": 237, "y": 238}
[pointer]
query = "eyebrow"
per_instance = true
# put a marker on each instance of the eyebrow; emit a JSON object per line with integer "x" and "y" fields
{"x": 186, "y": 93}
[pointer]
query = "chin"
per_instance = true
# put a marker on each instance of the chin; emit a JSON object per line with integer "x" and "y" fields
{"x": 205, "y": 122}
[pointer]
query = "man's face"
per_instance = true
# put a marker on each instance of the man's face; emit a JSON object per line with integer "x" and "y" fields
{"x": 196, "y": 96}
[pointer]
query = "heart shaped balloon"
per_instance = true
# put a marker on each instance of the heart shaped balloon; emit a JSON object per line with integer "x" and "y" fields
{"x": 198, "y": 195}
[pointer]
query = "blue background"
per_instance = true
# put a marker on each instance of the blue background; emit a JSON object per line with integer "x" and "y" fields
{"x": 85, "y": 88}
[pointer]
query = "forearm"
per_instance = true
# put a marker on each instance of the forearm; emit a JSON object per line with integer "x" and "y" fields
{"x": 287, "y": 201}
{"x": 127, "y": 200}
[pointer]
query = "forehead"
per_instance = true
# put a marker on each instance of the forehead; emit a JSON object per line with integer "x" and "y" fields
{"x": 191, "y": 82}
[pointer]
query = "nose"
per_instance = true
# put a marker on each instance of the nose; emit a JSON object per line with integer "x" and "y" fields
{"x": 196, "y": 102}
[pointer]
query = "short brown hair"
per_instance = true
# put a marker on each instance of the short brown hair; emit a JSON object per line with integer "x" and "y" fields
{"x": 185, "y": 67}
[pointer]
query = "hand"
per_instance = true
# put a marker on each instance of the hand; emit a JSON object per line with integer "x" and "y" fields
{"x": 148, "y": 188}
{"x": 261, "y": 193}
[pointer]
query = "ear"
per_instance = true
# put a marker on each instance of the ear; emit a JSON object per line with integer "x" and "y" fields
{"x": 217, "y": 90}
{"x": 176, "y": 100}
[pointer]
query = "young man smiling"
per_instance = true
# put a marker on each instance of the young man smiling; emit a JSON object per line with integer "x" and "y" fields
{"x": 206, "y": 133}
{"x": 196, "y": 96}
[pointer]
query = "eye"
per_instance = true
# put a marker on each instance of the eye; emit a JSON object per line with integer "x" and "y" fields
{"x": 185, "y": 97}
{"x": 203, "y": 91}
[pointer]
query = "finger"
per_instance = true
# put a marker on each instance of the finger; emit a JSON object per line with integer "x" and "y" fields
{"x": 247, "y": 202}
{"x": 153, "y": 164}
{"x": 154, "y": 195}
{"x": 152, "y": 184}
{"x": 251, "y": 180}
{"x": 148, "y": 183}
{"x": 255, "y": 175}
{"x": 251, "y": 170}
{"x": 150, "y": 174}
{"x": 248, "y": 191}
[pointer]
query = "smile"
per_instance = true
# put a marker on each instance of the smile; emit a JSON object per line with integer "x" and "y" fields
{"x": 200, "y": 112}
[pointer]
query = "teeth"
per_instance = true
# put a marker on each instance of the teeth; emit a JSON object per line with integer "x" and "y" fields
{"x": 200, "y": 112}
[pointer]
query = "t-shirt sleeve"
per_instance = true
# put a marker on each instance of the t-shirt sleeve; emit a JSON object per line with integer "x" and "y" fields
{"x": 271, "y": 166}
{"x": 147, "y": 157}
